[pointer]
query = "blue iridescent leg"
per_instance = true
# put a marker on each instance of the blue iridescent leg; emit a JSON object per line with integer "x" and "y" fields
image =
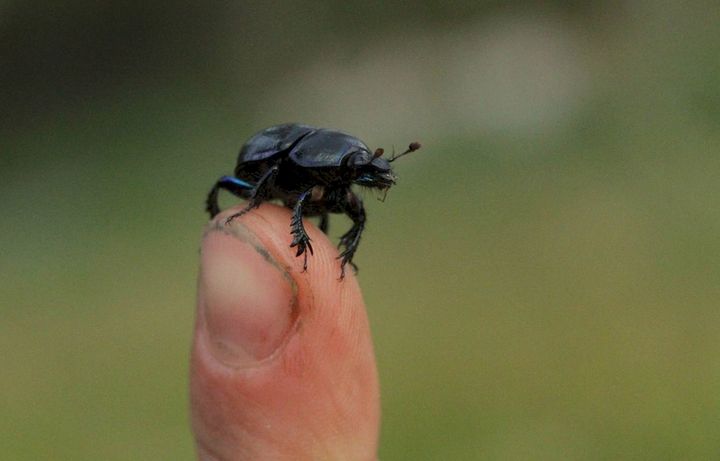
{"x": 231, "y": 184}
{"x": 259, "y": 193}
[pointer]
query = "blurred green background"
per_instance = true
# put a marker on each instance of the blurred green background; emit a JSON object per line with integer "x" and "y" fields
{"x": 543, "y": 283}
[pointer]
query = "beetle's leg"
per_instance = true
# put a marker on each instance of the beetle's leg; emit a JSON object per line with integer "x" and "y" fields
{"x": 324, "y": 222}
{"x": 231, "y": 184}
{"x": 300, "y": 237}
{"x": 356, "y": 211}
{"x": 259, "y": 194}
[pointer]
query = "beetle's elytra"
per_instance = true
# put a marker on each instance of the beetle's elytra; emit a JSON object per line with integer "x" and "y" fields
{"x": 311, "y": 170}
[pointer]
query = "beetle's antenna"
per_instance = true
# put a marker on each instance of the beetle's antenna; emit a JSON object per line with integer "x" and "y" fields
{"x": 411, "y": 148}
{"x": 378, "y": 152}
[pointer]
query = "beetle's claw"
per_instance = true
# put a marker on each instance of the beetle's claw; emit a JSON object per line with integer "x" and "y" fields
{"x": 302, "y": 242}
{"x": 304, "y": 247}
{"x": 347, "y": 259}
{"x": 236, "y": 215}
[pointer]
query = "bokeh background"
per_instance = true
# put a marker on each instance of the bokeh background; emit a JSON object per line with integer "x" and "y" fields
{"x": 543, "y": 283}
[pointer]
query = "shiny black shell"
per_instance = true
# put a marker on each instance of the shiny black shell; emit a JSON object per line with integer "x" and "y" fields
{"x": 276, "y": 140}
{"x": 304, "y": 145}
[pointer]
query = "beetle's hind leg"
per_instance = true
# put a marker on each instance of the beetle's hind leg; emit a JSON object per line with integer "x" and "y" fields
{"x": 300, "y": 237}
{"x": 259, "y": 194}
{"x": 231, "y": 184}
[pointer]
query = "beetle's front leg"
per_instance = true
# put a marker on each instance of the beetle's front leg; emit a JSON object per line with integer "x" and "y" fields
{"x": 354, "y": 208}
{"x": 259, "y": 194}
{"x": 300, "y": 237}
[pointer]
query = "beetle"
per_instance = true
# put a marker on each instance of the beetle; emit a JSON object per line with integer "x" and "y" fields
{"x": 311, "y": 171}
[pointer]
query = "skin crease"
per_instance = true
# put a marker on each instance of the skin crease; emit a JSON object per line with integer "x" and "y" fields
{"x": 312, "y": 391}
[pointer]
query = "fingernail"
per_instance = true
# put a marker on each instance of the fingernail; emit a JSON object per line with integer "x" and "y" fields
{"x": 246, "y": 299}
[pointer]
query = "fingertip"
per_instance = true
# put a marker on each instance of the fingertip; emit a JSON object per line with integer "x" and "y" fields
{"x": 311, "y": 394}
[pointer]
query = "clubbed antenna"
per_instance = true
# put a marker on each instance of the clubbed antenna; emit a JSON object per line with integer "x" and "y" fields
{"x": 378, "y": 152}
{"x": 411, "y": 148}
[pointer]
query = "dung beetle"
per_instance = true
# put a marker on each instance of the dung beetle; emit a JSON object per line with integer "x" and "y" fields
{"x": 311, "y": 171}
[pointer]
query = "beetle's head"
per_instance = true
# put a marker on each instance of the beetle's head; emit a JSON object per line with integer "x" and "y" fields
{"x": 373, "y": 170}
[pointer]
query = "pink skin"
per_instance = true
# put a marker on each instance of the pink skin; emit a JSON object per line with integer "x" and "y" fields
{"x": 282, "y": 363}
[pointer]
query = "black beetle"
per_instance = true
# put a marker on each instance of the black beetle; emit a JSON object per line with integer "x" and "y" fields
{"x": 311, "y": 170}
